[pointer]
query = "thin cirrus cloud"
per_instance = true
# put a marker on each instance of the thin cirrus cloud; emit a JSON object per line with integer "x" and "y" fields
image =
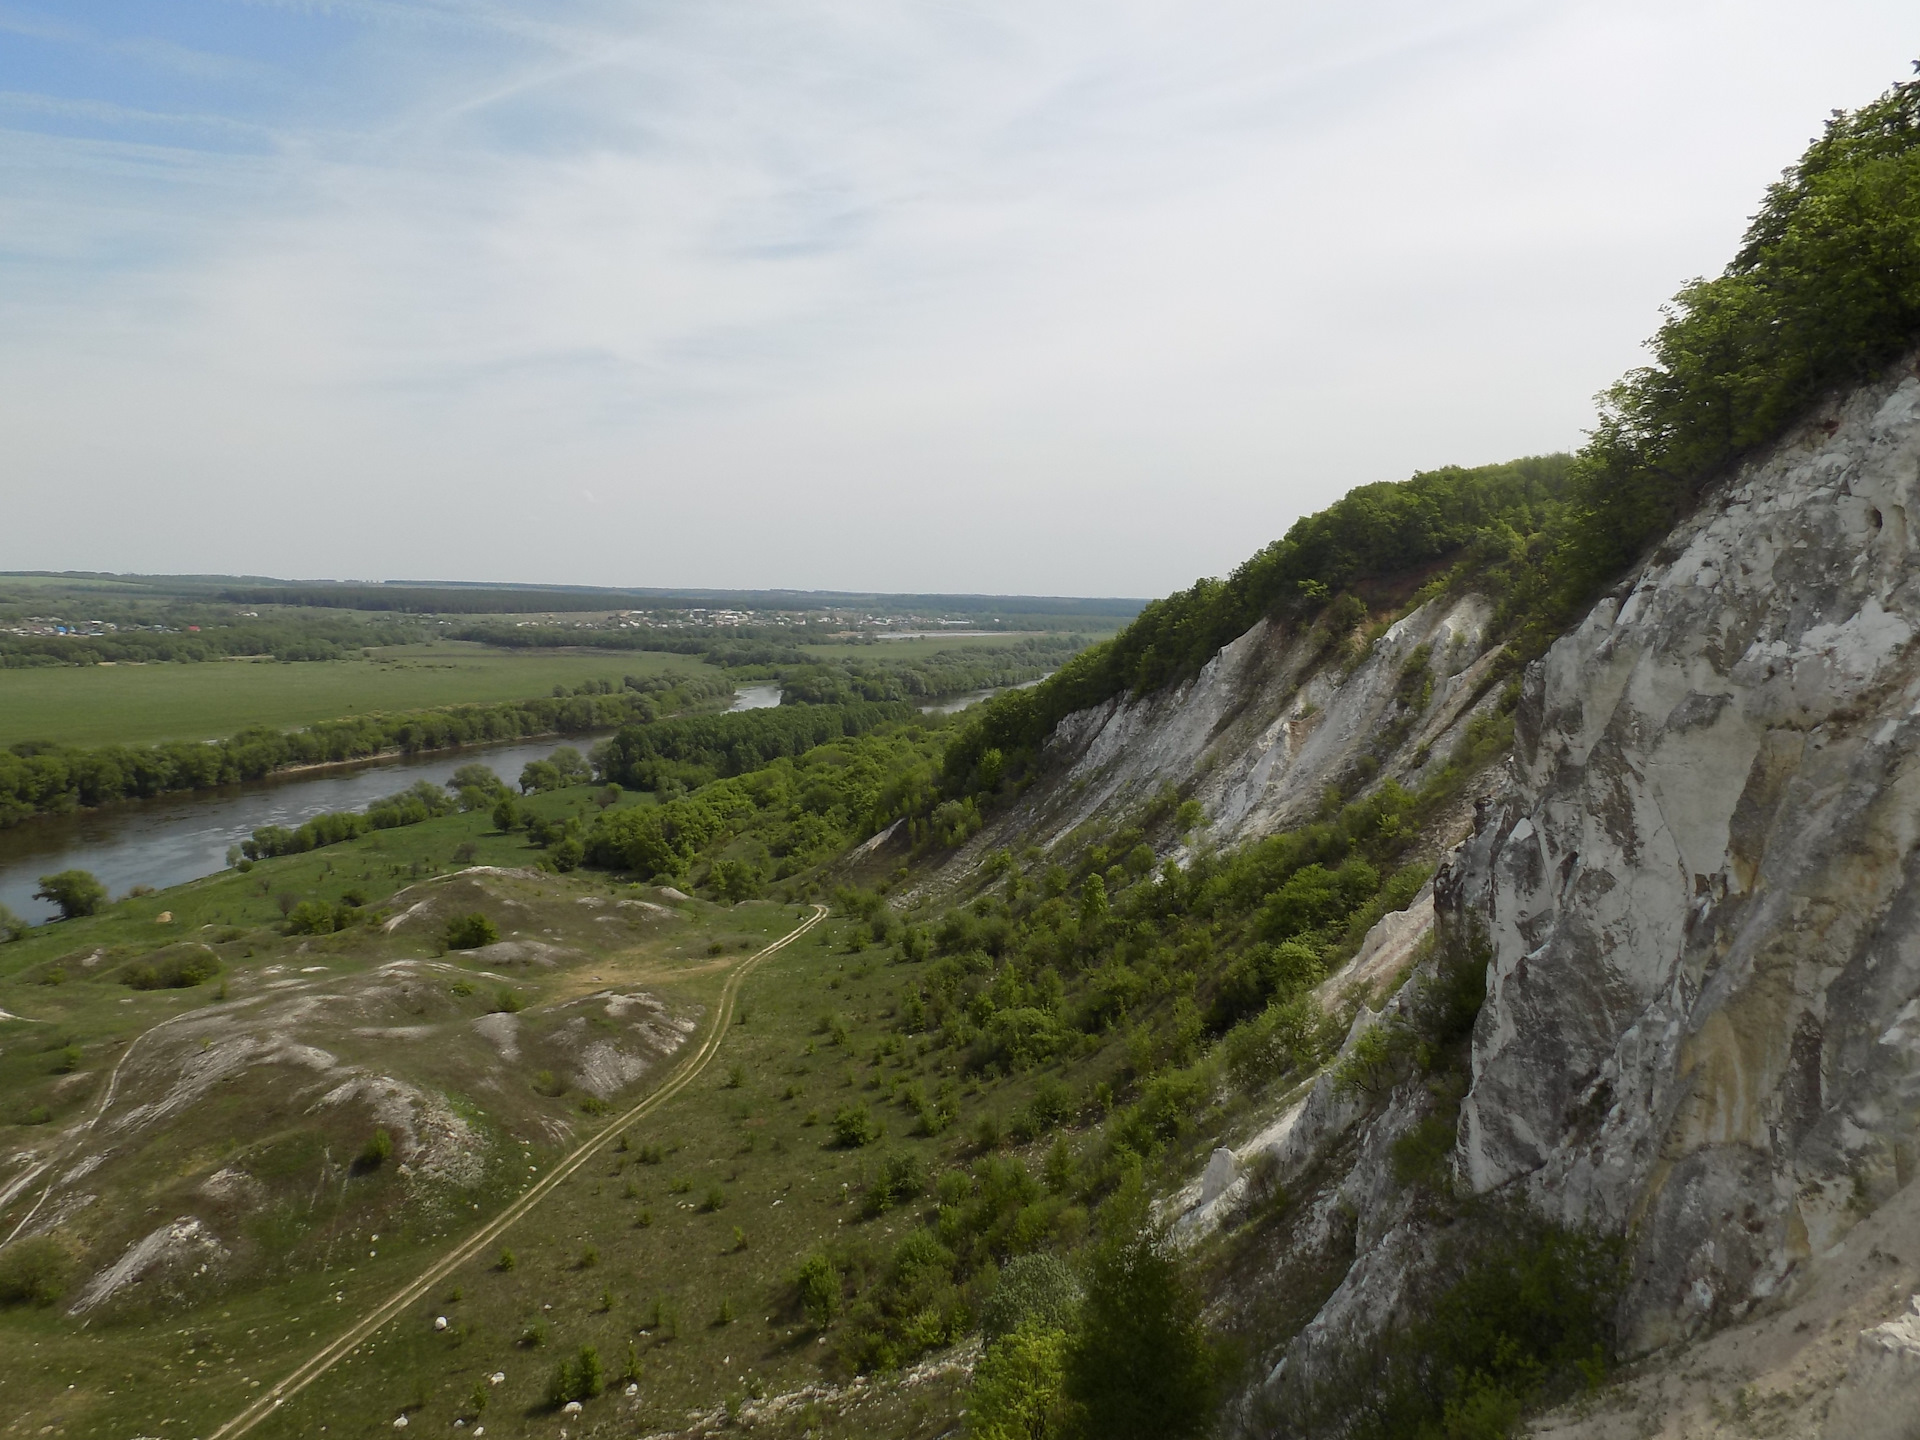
{"x": 931, "y": 296}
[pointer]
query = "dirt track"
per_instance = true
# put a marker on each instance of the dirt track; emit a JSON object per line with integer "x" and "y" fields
{"x": 465, "y": 1250}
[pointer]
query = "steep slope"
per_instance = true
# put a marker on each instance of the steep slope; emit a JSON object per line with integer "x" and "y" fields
{"x": 1274, "y": 719}
{"x": 1694, "y": 896}
{"x": 1699, "y": 891}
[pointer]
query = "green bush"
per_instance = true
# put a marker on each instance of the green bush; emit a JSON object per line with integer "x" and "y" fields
{"x": 855, "y": 1126}
{"x": 310, "y": 917}
{"x": 1039, "y": 1290}
{"x": 470, "y": 932}
{"x": 376, "y": 1152}
{"x": 32, "y": 1271}
{"x": 74, "y": 892}
{"x": 900, "y": 1178}
{"x": 817, "y": 1283}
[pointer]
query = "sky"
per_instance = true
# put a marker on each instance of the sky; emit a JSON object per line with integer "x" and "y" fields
{"x": 931, "y": 295}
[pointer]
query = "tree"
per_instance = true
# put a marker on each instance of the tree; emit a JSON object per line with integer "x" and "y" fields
{"x": 570, "y": 765}
{"x": 538, "y": 776}
{"x": 12, "y": 927}
{"x": 1018, "y": 1387}
{"x": 1140, "y": 1367}
{"x": 735, "y": 880}
{"x": 1093, "y": 904}
{"x": 818, "y": 1283}
{"x": 476, "y": 776}
{"x": 75, "y": 892}
{"x": 506, "y": 815}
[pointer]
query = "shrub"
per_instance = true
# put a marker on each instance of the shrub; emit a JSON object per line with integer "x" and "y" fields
{"x": 817, "y": 1283}
{"x": 901, "y": 1178}
{"x": 589, "y": 1378}
{"x": 376, "y": 1152}
{"x": 32, "y": 1271}
{"x": 309, "y": 917}
{"x": 73, "y": 892}
{"x": 854, "y": 1126}
{"x": 1039, "y": 1290}
{"x": 470, "y": 932}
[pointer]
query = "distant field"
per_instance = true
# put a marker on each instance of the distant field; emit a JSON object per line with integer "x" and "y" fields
{"x": 98, "y": 704}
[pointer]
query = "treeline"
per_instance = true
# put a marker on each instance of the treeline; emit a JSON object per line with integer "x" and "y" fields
{"x": 213, "y": 638}
{"x": 695, "y": 750}
{"x": 422, "y": 801}
{"x": 931, "y": 677}
{"x": 727, "y": 647}
{"x": 1824, "y": 293}
{"x": 38, "y": 778}
{"x": 1493, "y": 516}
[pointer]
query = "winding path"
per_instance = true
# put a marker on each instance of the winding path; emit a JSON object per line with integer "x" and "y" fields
{"x": 690, "y": 1068}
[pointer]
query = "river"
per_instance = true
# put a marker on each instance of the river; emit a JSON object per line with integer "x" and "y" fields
{"x": 176, "y": 838}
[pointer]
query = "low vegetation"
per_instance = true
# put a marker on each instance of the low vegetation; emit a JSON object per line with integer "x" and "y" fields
{"x": 931, "y": 1121}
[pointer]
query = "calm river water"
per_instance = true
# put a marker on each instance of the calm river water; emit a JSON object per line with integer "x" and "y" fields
{"x": 182, "y": 837}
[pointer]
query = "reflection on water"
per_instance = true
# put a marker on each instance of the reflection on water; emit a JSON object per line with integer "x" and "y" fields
{"x": 182, "y": 837}
{"x": 955, "y": 704}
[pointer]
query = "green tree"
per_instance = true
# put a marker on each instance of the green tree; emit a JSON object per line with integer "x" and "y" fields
{"x": 75, "y": 892}
{"x": 1140, "y": 1367}
{"x": 570, "y": 765}
{"x": 818, "y": 1285}
{"x": 476, "y": 776}
{"x": 735, "y": 880}
{"x": 591, "y": 1378}
{"x": 506, "y": 815}
{"x": 12, "y": 927}
{"x": 1033, "y": 1290}
{"x": 539, "y": 776}
{"x": 1093, "y": 904}
{"x": 1019, "y": 1389}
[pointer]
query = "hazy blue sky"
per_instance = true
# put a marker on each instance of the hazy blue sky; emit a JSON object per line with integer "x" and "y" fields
{"x": 1052, "y": 297}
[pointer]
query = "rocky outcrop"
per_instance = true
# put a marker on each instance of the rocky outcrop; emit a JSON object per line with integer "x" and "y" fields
{"x": 1258, "y": 736}
{"x": 1699, "y": 889}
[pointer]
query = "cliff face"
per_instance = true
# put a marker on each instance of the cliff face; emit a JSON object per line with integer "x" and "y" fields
{"x": 1699, "y": 889}
{"x": 1257, "y": 737}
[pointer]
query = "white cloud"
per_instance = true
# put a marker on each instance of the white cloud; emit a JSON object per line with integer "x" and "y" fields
{"x": 1076, "y": 298}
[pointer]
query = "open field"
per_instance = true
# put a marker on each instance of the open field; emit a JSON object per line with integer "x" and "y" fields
{"x": 131, "y": 704}
{"x": 671, "y": 1249}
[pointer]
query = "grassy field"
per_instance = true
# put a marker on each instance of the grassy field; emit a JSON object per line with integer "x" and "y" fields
{"x": 670, "y": 1249}
{"x": 131, "y": 704}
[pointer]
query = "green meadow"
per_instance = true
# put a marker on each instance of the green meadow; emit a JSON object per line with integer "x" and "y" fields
{"x": 136, "y": 704}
